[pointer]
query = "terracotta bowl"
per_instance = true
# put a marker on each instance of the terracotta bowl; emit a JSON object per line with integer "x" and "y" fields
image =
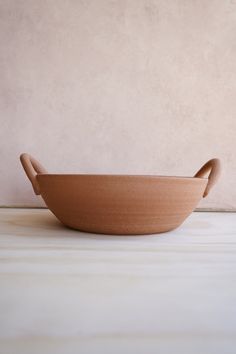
{"x": 120, "y": 204}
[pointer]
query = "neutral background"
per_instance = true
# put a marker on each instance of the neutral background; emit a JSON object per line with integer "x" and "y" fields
{"x": 117, "y": 86}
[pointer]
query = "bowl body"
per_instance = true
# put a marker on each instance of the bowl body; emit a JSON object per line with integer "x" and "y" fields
{"x": 121, "y": 204}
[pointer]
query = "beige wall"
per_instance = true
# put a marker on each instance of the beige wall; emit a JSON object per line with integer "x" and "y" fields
{"x": 117, "y": 86}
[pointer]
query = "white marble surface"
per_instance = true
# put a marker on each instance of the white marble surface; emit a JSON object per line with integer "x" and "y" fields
{"x": 64, "y": 291}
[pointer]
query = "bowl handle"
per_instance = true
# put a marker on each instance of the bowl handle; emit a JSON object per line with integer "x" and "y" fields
{"x": 32, "y": 167}
{"x": 214, "y": 166}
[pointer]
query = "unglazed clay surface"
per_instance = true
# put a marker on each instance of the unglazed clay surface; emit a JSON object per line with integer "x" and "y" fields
{"x": 120, "y": 204}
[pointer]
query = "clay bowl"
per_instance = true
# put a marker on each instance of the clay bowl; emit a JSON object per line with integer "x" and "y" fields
{"x": 120, "y": 204}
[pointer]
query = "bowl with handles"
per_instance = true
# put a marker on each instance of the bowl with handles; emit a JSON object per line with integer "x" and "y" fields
{"x": 121, "y": 204}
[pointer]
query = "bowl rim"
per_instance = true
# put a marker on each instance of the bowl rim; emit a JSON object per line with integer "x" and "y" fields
{"x": 117, "y": 176}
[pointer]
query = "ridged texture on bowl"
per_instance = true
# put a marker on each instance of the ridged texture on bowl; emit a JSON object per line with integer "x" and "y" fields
{"x": 121, "y": 204}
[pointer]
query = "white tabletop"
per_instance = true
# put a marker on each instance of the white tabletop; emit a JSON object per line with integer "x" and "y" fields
{"x": 64, "y": 291}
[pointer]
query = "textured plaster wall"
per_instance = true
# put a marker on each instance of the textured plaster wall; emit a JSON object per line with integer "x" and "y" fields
{"x": 117, "y": 86}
